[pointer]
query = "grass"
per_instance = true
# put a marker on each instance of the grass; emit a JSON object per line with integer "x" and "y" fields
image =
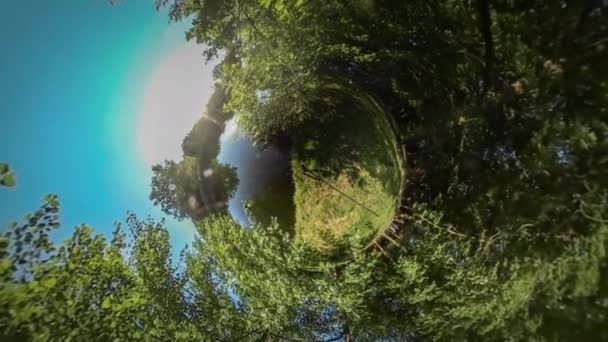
{"x": 348, "y": 175}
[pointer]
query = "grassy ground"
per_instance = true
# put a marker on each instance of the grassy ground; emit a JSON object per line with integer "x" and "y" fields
{"x": 347, "y": 176}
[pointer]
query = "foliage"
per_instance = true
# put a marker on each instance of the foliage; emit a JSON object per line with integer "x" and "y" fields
{"x": 85, "y": 288}
{"x": 7, "y": 177}
{"x": 257, "y": 284}
{"x": 443, "y": 283}
{"x": 272, "y": 278}
{"x": 171, "y": 191}
{"x": 453, "y": 290}
{"x": 184, "y": 190}
{"x": 502, "y": 108}
{"x": 203, "y": 140}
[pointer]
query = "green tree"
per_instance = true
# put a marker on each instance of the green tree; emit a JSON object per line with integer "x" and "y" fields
{"x": 441, "y": 286}
{"x": 184, "y": 190}
{"x": 203, "y": 140}
{"x": 172, "y": 186}
{"x": 85, "y": 289}
{"x": 198, "y": 185}
{"x": 128, "y": 288}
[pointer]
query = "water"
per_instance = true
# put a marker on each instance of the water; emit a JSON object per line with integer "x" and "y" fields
{"x": 265, "y": 179}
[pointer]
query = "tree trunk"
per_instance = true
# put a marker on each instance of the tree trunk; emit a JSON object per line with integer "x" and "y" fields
{"x": 485, "y": 28}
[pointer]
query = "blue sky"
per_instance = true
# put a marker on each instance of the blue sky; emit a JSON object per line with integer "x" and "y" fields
{"x": 92, "y": 95}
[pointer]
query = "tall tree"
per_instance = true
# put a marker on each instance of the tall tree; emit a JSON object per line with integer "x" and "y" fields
{"x": 185, "y": 190}
{"x": 128, "y": 288}
{"x": 84, "y": 289}
{"x": 203, "y": 140}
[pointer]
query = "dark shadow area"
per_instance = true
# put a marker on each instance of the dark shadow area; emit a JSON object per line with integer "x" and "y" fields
{"x": 354, "y": 138}
{"x": 266, "y": 186}
{"x": 276, "y": 200}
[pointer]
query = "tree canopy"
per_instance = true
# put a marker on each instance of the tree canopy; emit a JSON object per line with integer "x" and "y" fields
{"x": 88, "y": 288}
{"x": 203, "y": 140}
{"x": 256, "y": 284}
{"x": 184, "y": 190}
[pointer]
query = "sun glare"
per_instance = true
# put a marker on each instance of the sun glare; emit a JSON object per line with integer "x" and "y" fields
{"x": 173, "y": 99}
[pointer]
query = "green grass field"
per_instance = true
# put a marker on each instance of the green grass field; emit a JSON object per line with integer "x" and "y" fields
{"x": 348, "y": 175}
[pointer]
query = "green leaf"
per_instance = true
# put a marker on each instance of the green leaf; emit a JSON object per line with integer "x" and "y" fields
{"x": 5, "y": 266}
{"x": 8, "y": 180}
{"x": 106, "y": 303}
{"x": 265, "y": 3}
{"x": 3, "y": 168}
{"x": 49, "y": 283}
